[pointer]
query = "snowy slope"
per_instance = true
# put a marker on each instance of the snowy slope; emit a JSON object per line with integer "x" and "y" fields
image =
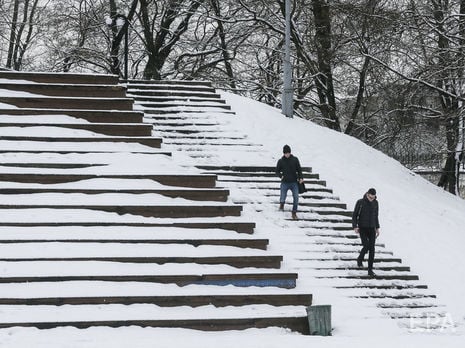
{"x": 422, "y": 223}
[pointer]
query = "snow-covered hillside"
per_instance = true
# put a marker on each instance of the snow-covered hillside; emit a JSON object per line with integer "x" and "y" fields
{"x": 423, "y": 224}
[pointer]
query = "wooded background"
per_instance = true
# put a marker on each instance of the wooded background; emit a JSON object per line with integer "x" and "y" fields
{"x": 390, "y": 73}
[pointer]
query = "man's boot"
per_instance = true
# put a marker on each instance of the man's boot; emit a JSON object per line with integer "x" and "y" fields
{"x": 281, "y": 206}
{"x": 294, "y": 215}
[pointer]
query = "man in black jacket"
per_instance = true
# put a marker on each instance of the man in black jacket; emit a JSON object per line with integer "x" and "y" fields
{"x": 365, "y": 222}
{"x": 289, "y": 170}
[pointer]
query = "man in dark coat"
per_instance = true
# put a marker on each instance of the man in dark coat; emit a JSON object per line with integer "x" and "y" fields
{"x": 365, "y": 222}
{"x": 290, "y": 172}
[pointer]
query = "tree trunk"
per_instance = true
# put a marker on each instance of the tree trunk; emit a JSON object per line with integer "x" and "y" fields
{"x": 22, "y": 45}
{"x": 448, "y": 178}
{"x": 371, "y": 5}
{"x": 150, "y": 71}
{"x": 11, "y": 47}
{"x": 118, "y": 35}
{"x": 449, "y": 104}
{"x": 324, "y": 78}
{"x": 224, "y": 46}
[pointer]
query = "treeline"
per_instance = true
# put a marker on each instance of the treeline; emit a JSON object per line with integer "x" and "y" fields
{"x": 390, "y": 73}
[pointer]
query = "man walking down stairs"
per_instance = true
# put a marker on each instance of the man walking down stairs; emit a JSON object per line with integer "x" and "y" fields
{"x": 289, "y": 171}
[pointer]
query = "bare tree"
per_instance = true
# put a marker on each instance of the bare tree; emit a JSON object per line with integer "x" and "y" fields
{"x": 160, "y": 38}
{"x": 22, "y": 31}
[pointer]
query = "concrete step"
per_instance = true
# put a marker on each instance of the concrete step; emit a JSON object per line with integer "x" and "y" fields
{"x": 247, "y": 169}
{"x": 184, "y": 123}
{"x": 334, "y": 212}
{"x": 406, "y": 296}
{"x": 314, "y": 196}
{"x": 411, "y": 305}
{"x": 332, "y": 236}
{"x": 168, "y": 300}
{"x": 274, "y": 279}
{"x": 268, "y": 261}
{"x": 132, "y": 82}
{"x": 238, "y": 243}
{"x": 328, "y": 241}
{"x": 144, "y": 140}
{"x": 207, "y": 130}
{"x": 407, "y": 277}
{"x": 323, "y": 205}
{"x": 98, "y": 116}
{"x": 188, "y": 137}
{"x": 236, "y": 226}
{"x": 274, "y": 181}
{"x": 49, "y": 166}
{"x": 377, "y": 259}
{"x": 46, "y": 77}
{"x": 68, "y": 90}
{"x": 203, "y": 105}
{"x": 177, "y": 118}
{"x": 159, "y": 211}
{"x": 172, "y": 94}
{"x": 193, "y": 88}
{"x": 189, "y": 144}
{"x": 195, "y": 111}
{"x": 335, "y": 228}
{"x": 310, "y": 189}
{"x": 149, "y": 96}
{"x": 186, "y": 180}
{"x": 220, "y": 195}
{"x": 384, "y": 286}
{"x": 297, "y": 324}
{"x": 301, "y": 217}
{"x": 118, "y": 129}
{"x": 351, "y": 268}
{"x": 59, "y": 150}
{"x": 262, "y": 176}
{"x": 69, "y": 103}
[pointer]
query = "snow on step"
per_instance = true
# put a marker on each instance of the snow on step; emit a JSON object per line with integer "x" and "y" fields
{"x": 27, "y": 146}
{"x": 113, "y": 233}
{"x": 45, "y": 215}
{"x": 184, "y": 108}
{"x": 45, "y": 119}
{"x": 73, "y": 199}
{"x": 49, "y": 132}
{"x": 71, "y": 250}
{"x": 40, "y": 269}
{"x": 99, "y": 184}
{"x": 113, "y": 312}
{"x": 97, "y": 288}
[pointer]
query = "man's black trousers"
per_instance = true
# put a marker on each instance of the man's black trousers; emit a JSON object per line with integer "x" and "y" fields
{"x": 368, "y": 237}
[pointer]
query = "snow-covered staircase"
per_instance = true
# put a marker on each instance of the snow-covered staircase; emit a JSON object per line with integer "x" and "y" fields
{"x": 99, "y": 226}
{"x": 322, "y": 238}
{"x": 188, "y": 115}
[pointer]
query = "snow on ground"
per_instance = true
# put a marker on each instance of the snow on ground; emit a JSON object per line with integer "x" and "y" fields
{"x": 424, "y": 225}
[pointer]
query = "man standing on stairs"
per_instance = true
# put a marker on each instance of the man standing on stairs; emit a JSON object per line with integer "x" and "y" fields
{"x": 366, "y": 223}
{"x": 290, "y": 172}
